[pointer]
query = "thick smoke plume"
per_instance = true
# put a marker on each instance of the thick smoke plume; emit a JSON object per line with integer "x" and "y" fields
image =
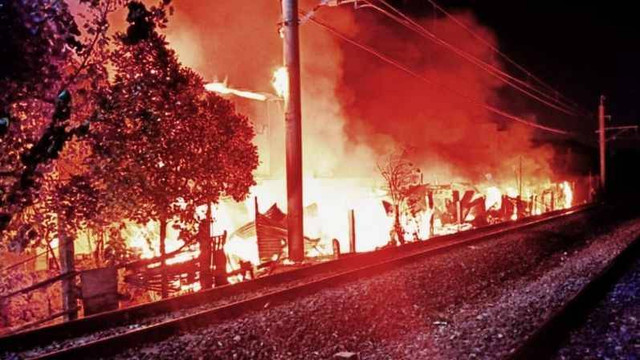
{"x": 448, "y": 135}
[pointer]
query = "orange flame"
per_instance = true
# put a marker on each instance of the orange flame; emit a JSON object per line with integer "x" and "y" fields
{"x": 567, "y": 191}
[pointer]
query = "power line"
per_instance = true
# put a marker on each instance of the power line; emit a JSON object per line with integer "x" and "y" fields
{"x": 505, "y": 56}
{"x": 508, "y": 79}
{"x": 470, "y": 99}
{"x": 435, "y": 38}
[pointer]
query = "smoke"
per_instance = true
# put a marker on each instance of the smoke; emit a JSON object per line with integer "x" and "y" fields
{"x": 446, "y": 134}
{"x": 238, "y": 41}
{"x": 355, "y": 107}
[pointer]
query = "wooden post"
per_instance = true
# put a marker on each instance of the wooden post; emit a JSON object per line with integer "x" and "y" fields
{"x": 164, "y": 286}
{"x": 206, "y": 281}
{"x": 352, "y": 231}
{"x": 67, "y": 264}
{"x": 220, "y": 260}
{"x": 397, "y": 227}
{"x": 336, "y": 247}
{"x": 431, "y": 214}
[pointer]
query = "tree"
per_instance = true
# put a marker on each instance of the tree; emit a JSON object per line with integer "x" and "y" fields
{"x": 399, "y": 175}
{"x": 45, "y": 58}
{"x": 162, "y": 144}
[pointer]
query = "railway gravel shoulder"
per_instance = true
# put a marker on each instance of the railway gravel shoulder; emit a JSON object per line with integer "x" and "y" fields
{"x": 612, "y": 329}
{"x": 176, "y": 314}
{"x": 480, "y": 301}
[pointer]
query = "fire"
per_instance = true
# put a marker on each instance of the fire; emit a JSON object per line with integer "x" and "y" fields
{"x": 493, "y": 198}
{"x": 343, "y": 138}
{"x": 280, "y": 81}
{"x": 222, "y": 88}
{"x": 568, "y": 194}
{"x": 145, "y": 240}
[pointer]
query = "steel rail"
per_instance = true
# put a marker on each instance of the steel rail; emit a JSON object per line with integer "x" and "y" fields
{"x": 340, "y": 270}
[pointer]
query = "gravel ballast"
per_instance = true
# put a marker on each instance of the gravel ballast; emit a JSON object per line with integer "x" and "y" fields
{"x": 152, "y": 320}
{"x": 612, "y": 329}
{"x": 479, "y": 301}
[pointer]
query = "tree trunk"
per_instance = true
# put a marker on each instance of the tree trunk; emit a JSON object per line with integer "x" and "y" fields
{"x": 163, "y": 252}
{"x": 220, "y": 261}
{"x": 67, "y": 264}
{"x": 352, "y": 231}
{"x": 399, "y": 232}
{"x": 206, "y": 281}
{"x": 97, "y": 255}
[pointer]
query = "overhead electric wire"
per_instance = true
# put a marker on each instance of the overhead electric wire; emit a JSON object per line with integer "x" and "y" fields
{"x": 505, "y": 56}
{"x": 402, "y": 67}
{"x": 492, "y": 70}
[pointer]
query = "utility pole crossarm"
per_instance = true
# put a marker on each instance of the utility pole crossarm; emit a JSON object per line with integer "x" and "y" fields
{"x": 625, "y": 127}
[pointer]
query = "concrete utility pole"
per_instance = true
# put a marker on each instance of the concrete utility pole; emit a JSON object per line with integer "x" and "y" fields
{"x": 293, "y": 130}
{"x": 603, "y": 140}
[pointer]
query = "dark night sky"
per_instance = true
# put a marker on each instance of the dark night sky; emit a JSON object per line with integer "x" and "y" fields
{"x": 582, "y": 48}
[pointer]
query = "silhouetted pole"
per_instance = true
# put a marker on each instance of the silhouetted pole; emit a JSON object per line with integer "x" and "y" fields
{"x": 67, "y": 265}
{"x": 293, "y": 130}
{"x": 206, "y": 280}
{"x": 352, "y": 231}
{"x": 602, "y": 139}
{"x": 164, "y": 277}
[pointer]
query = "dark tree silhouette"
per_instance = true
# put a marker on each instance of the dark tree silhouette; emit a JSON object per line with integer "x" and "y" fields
{"x": 44, "y": 59}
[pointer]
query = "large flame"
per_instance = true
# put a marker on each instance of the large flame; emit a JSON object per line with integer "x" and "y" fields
{"x": 280, "y": 81}
{"x": 493, "y": 199}
{"x": 356, "y": 110}
{"x": 222, "y": 88}
{"x": 567, "y": 191}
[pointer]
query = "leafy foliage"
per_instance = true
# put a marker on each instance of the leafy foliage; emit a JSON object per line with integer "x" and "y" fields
{"x": 44, "y": 59}
{"x": 162, "y": 145}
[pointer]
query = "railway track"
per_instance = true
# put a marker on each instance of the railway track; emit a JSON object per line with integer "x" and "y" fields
{"x": 94, "y": 336}
{"x": 548, "y": 338}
